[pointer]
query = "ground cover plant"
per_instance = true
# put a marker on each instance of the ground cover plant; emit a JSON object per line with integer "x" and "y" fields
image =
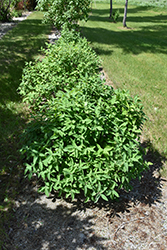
{"x": 84, "y": 135}
{"x": 135, "y": 59}
{"x": 20, "y": 44}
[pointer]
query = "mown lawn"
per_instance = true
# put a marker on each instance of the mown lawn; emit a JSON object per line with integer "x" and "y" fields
{"x": 135, "y": 59}
{"x": 19, "y": 45}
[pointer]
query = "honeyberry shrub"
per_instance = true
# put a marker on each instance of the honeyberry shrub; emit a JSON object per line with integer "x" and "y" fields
{"x": 60, "y": 12}
{"x": 62, "y": 66}
{"x": 89, "y": 142}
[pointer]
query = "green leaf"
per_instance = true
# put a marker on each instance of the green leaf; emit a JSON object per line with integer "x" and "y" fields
{"x": 48, "y": 160}
{"x": 28, "y": 168}
{"x": 46, "y": 191}
{"x": 40, "y": 165}
{"x": 104, "y": 197}
{"x": 72, "y": 195}
{"x": 99, "y": 128}
{"x": 97, "y": 198}
{"x": 86, "y": 200}
{"x": 115, "y": 193}
{"x": 69, "y": 148}
{"x": 81, "y": 130}
{"x": 35, "y": 158}
{"x": 67, "y": 171}
{"x": 85, "y": 190}
{"x": 30, "y": 175}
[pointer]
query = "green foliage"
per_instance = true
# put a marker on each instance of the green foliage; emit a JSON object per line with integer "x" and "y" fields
{"x": 88, "y": 141}
{"x": 84, "y": 135}
{"x": 60, "y": 12}
{"x": 64, "y": 65}
{"x": 5, "y": 6}
{"x": 115, "y": 15}
{"x": 16, "y": 13}
{"x": 5, "y": 15}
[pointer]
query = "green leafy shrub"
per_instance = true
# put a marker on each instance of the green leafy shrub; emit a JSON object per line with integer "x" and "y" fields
{"x": 115, "y": 15}
{"x": 60, "y": 12}
{"x": 88, "y": 141}
{"x": 5, "y": 15}
{"x": 16, "y": 13}
{"x": 64, "y": 65}
{"x": 5, "y": 9}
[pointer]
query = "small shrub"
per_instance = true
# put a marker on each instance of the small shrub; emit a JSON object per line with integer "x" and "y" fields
{"x": 89, "y": 140}
{"x": 16, "y": 13}
{"x": 63, "y": 66}
{"x": 5, "y": 9}
{"x": 5, "y": 15}
{"x": 115, "y": 15}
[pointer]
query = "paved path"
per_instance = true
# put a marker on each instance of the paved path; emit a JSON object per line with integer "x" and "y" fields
{"x": 5, "y": 27}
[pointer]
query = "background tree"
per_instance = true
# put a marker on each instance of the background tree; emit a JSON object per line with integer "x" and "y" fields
{"x": 60, "y": 12}
{"x": 125, "y": 13}
{"x": 110, "y": 8}
{"x": 26, "y": 5}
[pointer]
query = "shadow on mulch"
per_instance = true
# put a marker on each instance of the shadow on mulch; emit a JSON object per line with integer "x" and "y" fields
{"x": 45, "y": 223}
{"x": 53, "y": 223}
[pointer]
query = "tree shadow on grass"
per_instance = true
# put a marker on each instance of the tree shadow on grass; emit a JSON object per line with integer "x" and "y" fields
{"x": 106, "y": 12}
{"x": 102, "y": 15}
{"x": 20, "y": 44}
{"x": 150, "y": 39}
{"x": 149, "y": 36}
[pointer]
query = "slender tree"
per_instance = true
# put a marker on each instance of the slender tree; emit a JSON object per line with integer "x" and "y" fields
{"x": 110, "y": 8}
{"x": 125, "y": 13}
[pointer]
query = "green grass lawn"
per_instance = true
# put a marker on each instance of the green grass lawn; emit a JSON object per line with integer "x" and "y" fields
{"x": 19, "y": 45}
{"x": 135, "y": 59}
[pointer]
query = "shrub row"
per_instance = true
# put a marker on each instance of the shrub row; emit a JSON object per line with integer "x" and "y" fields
{"x": 84, "y": 135}
{"x": 63, "y": 66}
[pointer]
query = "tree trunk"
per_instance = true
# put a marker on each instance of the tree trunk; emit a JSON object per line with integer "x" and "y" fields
{"x": 125, "y": 14}
{"x": 110, "y": 8}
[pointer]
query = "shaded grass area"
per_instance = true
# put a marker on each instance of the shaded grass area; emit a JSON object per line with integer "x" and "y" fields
{"x": 19, "y": 45}
{"x": 136, "y": 59}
